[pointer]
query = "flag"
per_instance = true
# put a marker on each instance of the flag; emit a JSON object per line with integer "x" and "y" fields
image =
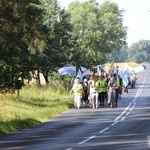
{"x": 124, "y": 79}
{"x": 112, "y": 65}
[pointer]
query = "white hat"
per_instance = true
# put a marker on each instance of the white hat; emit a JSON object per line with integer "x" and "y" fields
{"x": 85, "y": 80}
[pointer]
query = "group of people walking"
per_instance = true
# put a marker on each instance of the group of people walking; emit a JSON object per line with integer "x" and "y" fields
{"x": 95, "y": 90}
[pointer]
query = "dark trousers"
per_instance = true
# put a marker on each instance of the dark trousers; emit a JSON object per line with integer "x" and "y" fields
{"x": 101, "y": 98}
{"x": 117, "y": 92}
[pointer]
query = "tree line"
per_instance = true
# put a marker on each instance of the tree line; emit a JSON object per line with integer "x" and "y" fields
{"x": 138, "y": 52}
{"x": 38, "y": 36}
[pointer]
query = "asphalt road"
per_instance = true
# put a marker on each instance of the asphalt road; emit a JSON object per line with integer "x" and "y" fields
{"x": 126, "y": 127}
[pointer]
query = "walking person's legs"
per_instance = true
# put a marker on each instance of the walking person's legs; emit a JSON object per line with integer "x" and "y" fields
{"x": 114, "y": 104}
{"x": 75, "y": 101}
{"x": 96, "y": 99}
{"x": 116, "y": 97}
{"x": 93, "y": 100}
{"x": 78, "y": 101}
{"x": 99, "y": 94}
{"x": 102, "y": 98}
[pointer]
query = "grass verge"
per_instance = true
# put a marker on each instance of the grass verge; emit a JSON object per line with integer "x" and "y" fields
{"x": 33, "y": 106}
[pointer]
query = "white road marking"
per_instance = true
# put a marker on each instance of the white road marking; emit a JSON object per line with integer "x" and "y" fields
{"x": 134, "y": 105}
{"x": 127, "y": 113}
{"x": 131, "y": 109}
{"x": 114, "y": 123}
{"x": 87, "y": 139}
{"x": 103, "y": 130}
{"x": 123, "y": 118}
{"x": 69, "y": 148}
{"x": 123, "y": 112}
{"x": 134, "y": 99}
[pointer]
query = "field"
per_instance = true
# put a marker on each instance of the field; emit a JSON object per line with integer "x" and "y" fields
{"x": 121, "y": 65}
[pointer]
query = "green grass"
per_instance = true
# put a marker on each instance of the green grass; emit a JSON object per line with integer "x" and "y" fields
{"x": 33, "y": 106}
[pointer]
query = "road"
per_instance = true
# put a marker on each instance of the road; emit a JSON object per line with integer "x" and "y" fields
{"x": 126, "y": 127}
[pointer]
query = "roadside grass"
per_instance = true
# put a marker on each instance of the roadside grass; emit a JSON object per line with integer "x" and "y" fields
{"x": 33, "y": 106}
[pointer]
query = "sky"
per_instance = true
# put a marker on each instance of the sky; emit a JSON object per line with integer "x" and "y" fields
{"x": 136, "y": 17}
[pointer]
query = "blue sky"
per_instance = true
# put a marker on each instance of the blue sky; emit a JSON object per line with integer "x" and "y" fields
{"x": 136, "y": 17}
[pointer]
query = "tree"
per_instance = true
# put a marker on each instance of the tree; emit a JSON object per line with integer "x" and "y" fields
{"x": 98, "y": 30}
{"x": 140, "y": 51}
{"x": 21, "y": 36}
{"x": 58, "y": 38}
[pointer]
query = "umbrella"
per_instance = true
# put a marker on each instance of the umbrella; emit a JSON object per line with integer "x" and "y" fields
{"x": 67, "y": 70}
{"x": 70, "y": 70}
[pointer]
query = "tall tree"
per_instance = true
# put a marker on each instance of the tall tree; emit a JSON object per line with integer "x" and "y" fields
{"x": 58, "y": 37}
{"x": 21, "y": 36}
{"x": 98, "y": 29}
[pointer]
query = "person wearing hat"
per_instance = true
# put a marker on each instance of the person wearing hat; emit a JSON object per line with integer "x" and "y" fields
{"x": 77, "y": 91}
